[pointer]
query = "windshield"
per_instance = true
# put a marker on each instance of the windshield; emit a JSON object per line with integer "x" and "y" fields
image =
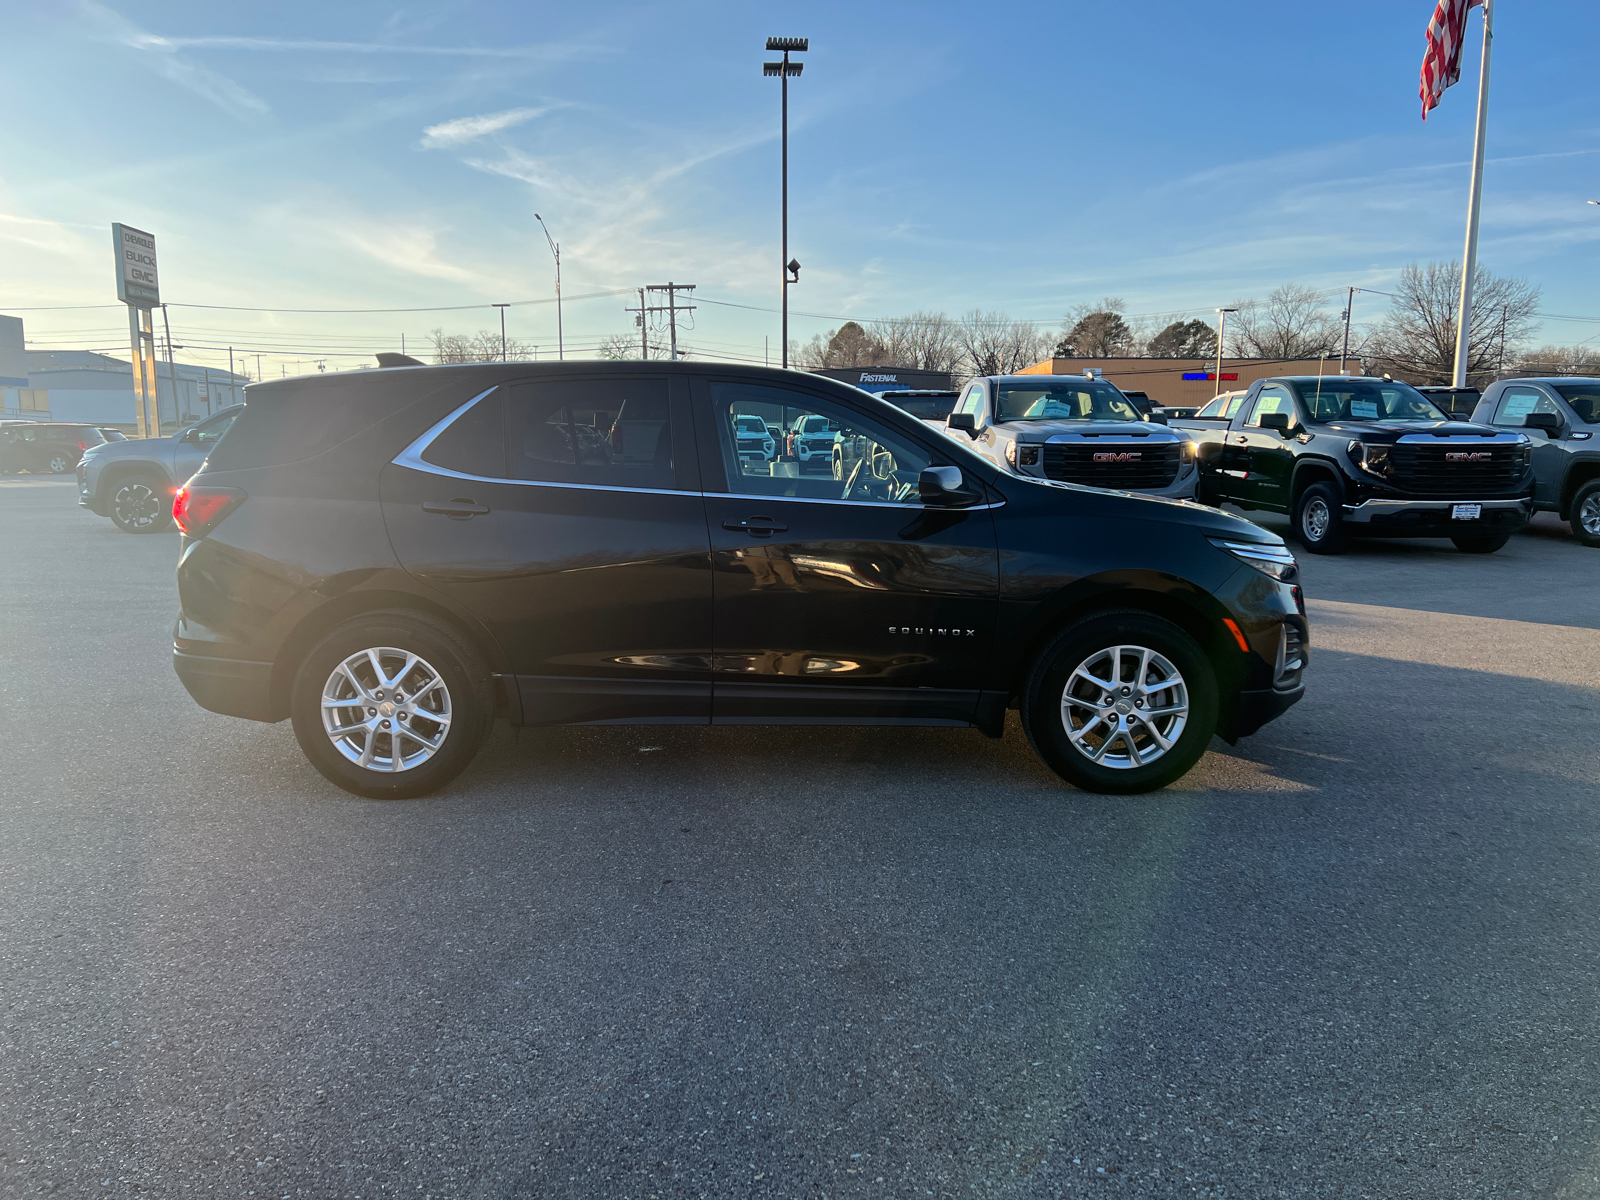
{"x": 1338, "y": 399}
{"x": 752, "y": 425}
{"x": 1060, "y": 401}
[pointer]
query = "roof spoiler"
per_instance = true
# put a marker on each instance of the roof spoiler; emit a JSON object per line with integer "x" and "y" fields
{"x": 399, "y": 360}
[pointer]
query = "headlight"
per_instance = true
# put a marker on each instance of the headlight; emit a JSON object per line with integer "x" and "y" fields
{"x": 1011, "y": 453}
{"x": 1372, "y": 459}
{"x": 1188, "y": 452}
{"x": 1275, "y": 561}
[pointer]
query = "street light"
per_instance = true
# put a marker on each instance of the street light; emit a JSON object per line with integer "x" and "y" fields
{"x": 1222, "y": 328}
{"x": 783, "y": 70}
{"x": 502, "y": 309}
{"x": 555, "y": 248}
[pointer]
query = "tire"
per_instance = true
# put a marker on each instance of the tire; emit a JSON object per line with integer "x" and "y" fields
{"x": 59, "y": 464}
{"x": 442, "y": 733}
{"x": 139, "y": 504}
{"x": 1317, "y": 520}
{"x": 1207, "y": 492}
{"x": 1586, "y": 514}
{"x": 1058, "y": 691}
{"x": 1480, "y": 543}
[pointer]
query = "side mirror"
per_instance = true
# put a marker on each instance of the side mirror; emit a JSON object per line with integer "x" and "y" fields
{"x": 192, "y": 436}
{"x": 1278, "y": 421}
{"x": 1549, "y": 423}
{"x": 940, "y": 487}
{"x": 1156, "y": 418}
{"x": 965, "y": 422}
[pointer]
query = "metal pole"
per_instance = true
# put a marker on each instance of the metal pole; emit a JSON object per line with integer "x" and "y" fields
{"x": 502, "y": 309}
{"x": 207, "y": 371}
{"x": 672, "y": 316}
{"x": 783, "y": 259}
{"x": 561, "y": 337}
{"x": 1349, "y": 304}
{"x": 258, "y": 368}
{"x": 644, "y": 329}
{"x": 172, "y": 370}
{"x": 1222, "y": 330}
{"x": 141, "y": 405}
{"x": 1469, "y": 259}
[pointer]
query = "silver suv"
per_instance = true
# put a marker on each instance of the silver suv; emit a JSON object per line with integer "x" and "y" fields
{"x": 1073, "y": 429}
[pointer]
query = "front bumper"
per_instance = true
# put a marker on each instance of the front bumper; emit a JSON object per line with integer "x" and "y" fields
{"x": 1431, "y": 518}
{"x": 1254, "y": 709}
{"x": 86, "y": 498}
{"x": 230, "y": 686}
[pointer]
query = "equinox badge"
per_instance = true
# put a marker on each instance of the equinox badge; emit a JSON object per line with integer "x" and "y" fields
{"x": 929, "y": 630}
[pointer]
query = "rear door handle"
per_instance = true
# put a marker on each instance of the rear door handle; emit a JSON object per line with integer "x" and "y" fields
{"x": 458, "y": 508}
{"x": 756, "y": 526}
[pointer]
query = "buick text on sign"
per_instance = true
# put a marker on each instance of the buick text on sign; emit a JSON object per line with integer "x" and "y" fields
{"x": 137, "y": 280}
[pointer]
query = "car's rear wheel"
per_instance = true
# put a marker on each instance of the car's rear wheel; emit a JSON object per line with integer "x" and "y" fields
{"x": 391, "y": 705}
{"x": 1586, "y": 514}
{"x": 1318, "y": 520}
{"x": 1480, "y": 543}
{"x": 140, "y": 505}
{"x": 1122, "y": 702}
{"x": 59, "y": 464}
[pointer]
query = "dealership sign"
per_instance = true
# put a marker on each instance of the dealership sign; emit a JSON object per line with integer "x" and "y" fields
{"x": 137, "y": 281}
{"x": 1227, "y": 376}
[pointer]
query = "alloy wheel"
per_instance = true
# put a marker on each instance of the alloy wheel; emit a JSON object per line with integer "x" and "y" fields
{"x": 137, "y": 505}
{"x": 59, "y": 464}
{"x": 1589, "y": 514}
{"x": 386, "y": 709}
{"x": 1125, "y": 706}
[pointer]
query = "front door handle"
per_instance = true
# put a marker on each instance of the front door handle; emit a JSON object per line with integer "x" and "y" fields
{"x": 1243, "y": 441}
{"x": 458, "y": 508}
{"x": 756, "y": 526}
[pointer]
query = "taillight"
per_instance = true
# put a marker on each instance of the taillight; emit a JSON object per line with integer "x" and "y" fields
{"x": 82, "y": 446}
{"x": 197, "y": 510}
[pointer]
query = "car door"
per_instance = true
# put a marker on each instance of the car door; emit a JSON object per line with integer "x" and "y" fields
{"x": 841, "y": 600}
{"x": 565, "y": 513}
{"x": 1269, "y": 455}
{"x": 194, "y": 443}
{"x": 1517, "y": 403}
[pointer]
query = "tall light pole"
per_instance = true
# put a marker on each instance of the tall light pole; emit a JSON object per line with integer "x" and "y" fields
{"x": 784, "y": 70}
{"x": 502, "y": 309}
{"x": 555, "y": 248}
{"x": 1222, "y": 329}
{"x": 1349, "y": 306}
{"x": 1469, "y": 258}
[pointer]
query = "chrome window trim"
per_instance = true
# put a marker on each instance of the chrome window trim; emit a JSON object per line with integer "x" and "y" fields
{"x": 411, "y": 457}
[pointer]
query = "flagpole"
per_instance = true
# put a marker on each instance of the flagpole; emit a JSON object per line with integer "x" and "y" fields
{"x": 1469, "y": 259}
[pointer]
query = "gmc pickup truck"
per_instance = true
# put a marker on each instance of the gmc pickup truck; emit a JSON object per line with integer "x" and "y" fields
{"x": 1365, "y": 457}
{"x": 1562, "y": 416}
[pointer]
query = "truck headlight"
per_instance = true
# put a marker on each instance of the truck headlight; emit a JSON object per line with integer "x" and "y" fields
{"x": 1372, "y": 459}
{"x": 1275, "y": 561}
{"x": 1188, "y": 452}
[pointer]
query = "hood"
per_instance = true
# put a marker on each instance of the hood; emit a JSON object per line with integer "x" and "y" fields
{"x": 1202, "y": 518}
{"x": 1393, "y": 431}
{"x": 1044, "y": 431}
{"x": 132, "y": 448}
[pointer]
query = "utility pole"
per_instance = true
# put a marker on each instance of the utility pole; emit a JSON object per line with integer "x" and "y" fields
{"x": 1469, "y": 259}
{"x": 1349, "y": 304}
{"x": 502, "y": 309}
{"x": 233, "y": 388}
{"x": 555, "y": 249}
{"x": 1222, "y": 329}
{"x": 644, "y": 328}
{"x": 784, "y": 70}
{"x": 672, "y": 308}
{"x": 172, "y": 375}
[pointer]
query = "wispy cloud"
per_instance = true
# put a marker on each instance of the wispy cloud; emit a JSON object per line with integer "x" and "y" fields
{"x": 543, "y": 51}
{"x": 470, "y": 129}
{"x": 165, "y": 59}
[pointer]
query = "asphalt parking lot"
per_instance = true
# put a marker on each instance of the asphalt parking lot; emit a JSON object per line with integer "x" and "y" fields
{"x": 1355, "y": 955}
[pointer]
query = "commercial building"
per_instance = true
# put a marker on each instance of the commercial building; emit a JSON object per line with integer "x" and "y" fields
{"x": 890, "y": 379}
{"x": 1184, "y": 381}
{"x": 97, "y": 389}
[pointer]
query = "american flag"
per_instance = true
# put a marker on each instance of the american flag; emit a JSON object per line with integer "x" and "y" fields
{"x": 1441, "y": 64}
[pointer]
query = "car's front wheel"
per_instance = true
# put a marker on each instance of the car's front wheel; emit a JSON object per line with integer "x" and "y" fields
{"x": 59, "y": 464}
{"x": 1319, "y": 520}
{"x": 140, "y": 506}
{"x": 1122, "y": 702}
{"x": 391, "y": 705}
{"x": 1586, "y": 514}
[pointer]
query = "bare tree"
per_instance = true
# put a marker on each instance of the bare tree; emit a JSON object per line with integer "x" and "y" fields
{"x": 1097, "y": 331}
{"x": 993, "y": 344}
{"x": 1293, "y": 322}
{"x": 1557, "y": 360}
{"x": 1417, "y": 340}
{"x": 925, "y": 340}
{"x": 483, "y": 346}
{"x": 848, "y": 346}
{"x": 625, "y": 347}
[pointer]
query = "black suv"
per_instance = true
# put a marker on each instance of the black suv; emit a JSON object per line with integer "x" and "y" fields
{"x": 393, "y": 558}
{"x": 1563, "y": 417}
{"x": 1375, "y": 457}
{"x": 45, "y": 446}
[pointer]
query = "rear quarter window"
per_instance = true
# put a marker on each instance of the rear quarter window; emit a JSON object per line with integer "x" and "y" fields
{"x": 286, "y": 425}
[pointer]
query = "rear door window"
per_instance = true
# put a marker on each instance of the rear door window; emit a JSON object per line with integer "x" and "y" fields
{"x": 600, "y": 432}
{"x": 475, "y": 442}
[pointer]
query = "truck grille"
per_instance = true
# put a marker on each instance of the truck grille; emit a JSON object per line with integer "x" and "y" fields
{"x": 1426, "y": 469}
{"x": 1118, "y": 466}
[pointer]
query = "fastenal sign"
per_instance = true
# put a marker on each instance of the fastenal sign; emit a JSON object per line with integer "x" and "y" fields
{"x": 137, "y": 281}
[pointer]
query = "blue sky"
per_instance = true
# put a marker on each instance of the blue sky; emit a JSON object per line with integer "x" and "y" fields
{"x": 1022, "y": 157}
